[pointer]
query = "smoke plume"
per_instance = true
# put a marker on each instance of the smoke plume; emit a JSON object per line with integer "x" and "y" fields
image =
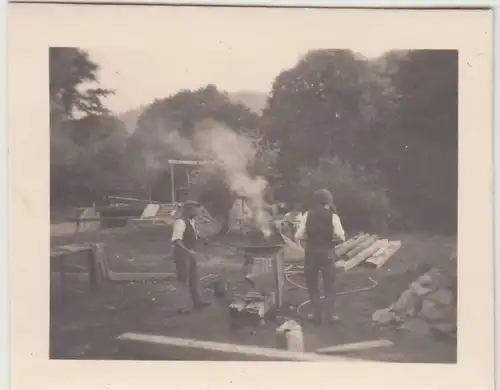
{"x": 232, "y": 153}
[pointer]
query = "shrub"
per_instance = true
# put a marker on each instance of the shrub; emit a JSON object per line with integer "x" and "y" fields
{"x": 360, "y": 199}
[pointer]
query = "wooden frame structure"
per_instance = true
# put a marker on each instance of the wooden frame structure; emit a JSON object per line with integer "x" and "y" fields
{"x": 97, "y": 267}
{"x": 173, "y": 163}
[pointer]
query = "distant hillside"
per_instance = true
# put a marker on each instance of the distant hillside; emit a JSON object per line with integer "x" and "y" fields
{"x": 255, "y": 101}
{"x": 130, "y": 117}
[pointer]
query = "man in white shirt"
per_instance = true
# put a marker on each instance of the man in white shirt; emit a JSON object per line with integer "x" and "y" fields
{"x": 185, "y": 238}
{"x": 320, "y": 228}
{"x": 293, "y": 219}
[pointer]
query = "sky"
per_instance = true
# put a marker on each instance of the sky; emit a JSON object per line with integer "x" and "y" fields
{"x": 140, "y": 76}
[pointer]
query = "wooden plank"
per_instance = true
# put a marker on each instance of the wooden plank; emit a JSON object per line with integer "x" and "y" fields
{"x": 191, "y": 162}
{"x": 349, "y": 242}
{"x": 355, "y": 347}
{"x": 380, "y": 260}
{"x": 132, "y": 199}
{"x": 151, "y": 347}
{"x": 138, "y": 276}
{"x": 83, "y": 276}
{"x": 383, "y": 247}
{"x": 361, "y": 256}
{"x": 343, "y": 250}
{"x": 69, "y": 249}
{"x": 361, "y": 247}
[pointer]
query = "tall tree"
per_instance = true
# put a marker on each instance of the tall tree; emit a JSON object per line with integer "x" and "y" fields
{"x": 328, "y": 104}
{"x": 394, "y": 116}
{"x": 85, "y": 152}
{"x": 70, "y": 68}
{"x": 424, "y": 168}
{"x": 87, "y": 156}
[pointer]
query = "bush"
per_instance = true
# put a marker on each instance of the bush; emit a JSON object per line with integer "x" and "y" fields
{"x": 210, "y": 188}
{"x": 361, "y": 201}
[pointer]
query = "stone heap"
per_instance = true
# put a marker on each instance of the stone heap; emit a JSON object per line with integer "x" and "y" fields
{"x": 428, "y": 307}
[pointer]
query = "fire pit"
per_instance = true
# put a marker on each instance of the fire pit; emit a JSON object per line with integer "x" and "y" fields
{"x": 264, "y": 258}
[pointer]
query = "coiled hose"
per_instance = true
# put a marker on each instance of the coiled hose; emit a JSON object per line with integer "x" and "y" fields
{"x": 293, "y": 269}
{"x": 298, "y": 270}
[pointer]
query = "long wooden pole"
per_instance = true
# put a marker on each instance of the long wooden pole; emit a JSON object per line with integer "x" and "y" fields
{"x": 147, "y": 346}
{"x": 172, "y": 182}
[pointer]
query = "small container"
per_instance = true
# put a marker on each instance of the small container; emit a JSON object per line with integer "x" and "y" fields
{"x": 289, "y": 336}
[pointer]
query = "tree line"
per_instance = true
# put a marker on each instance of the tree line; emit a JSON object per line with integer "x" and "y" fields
{"x": 381, "y": 133}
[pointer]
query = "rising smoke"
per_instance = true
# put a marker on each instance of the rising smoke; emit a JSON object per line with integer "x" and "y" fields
{"x": 233, "y": 153}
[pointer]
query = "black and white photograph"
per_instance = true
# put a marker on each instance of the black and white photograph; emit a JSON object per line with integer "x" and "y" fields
{"x": 308, "y": 203}
{"x": 282, "y": 197}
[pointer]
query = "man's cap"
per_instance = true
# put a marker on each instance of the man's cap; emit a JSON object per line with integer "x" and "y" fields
{"x": 324, "y": 196}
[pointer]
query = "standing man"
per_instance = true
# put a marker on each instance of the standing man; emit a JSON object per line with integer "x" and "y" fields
{"x": 185, "y": 238}
{"x": 320, "y": 228}
{"x": 293, "y": 218}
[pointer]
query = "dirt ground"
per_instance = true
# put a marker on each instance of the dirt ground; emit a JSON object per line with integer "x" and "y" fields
{"x": 86, "y": 326}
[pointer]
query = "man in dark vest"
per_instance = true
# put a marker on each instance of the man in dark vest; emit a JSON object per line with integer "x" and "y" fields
{"x": 185, "y": 239}
{"x": 321, "y": 229}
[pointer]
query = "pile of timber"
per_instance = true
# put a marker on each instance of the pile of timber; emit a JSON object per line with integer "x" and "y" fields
{"x": 367, "y": 250}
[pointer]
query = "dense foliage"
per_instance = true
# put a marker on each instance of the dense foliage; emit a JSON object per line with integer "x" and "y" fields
{"x": 381, "y": 133}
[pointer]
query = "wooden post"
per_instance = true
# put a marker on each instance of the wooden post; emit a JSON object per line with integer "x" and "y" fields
{"x": 242, "y": 218}
{"x": 172, "y": 182}
{"x": 95, "y": 276}
{"x": 62, "y": 276}
{"x": 188, "y": 178}
{"x": 77, "y": 228}
{"x": 279, "y": 275}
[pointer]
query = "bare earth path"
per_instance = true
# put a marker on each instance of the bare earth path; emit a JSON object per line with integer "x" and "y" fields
{"x": 87, "y": 327}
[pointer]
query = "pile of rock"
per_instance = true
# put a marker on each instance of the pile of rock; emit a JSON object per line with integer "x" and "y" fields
{"x": 427, "y": 307}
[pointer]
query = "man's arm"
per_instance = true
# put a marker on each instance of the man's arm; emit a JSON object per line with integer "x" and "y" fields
{"x": 301, "y": 231}
{"x": 338, "y": 230}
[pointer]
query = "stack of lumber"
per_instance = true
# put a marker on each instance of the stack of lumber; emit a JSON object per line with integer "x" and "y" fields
{"x": 367, "y": 250}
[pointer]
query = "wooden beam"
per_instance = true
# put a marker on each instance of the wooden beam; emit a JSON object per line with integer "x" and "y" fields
{"x": 383, "y": 246}
{"x": 133, "y": 199}
{"x": 96, "y": 219}
{"x": 355, "y": 347}
{"x": 154, "y": 347}
{"x": 138, "y": 276}
{"x": 361, "y": 256}
{"x": 361, "y": 247}
{"x": 190, "y": 162}
{"x": 341, "y": 251}
{"x": 345, "y": 244}
{"x": 380, "y": 260}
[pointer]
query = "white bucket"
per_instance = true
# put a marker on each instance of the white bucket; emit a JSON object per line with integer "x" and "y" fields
{"x": 289, "y": 336}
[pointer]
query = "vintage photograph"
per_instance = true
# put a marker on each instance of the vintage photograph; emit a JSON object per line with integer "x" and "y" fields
{"x": 206, "y": 206}
{"x": 204, "y": 197}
